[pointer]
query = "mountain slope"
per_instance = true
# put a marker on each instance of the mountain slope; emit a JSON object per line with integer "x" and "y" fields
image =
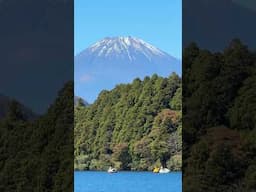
{"x": 127, "y": 49}
{"x": 119, "y": 60}
{"x": 78, "y": 99}
{"x": 5, "y": 104}
{"x": 29, "y": 149}
{"x": 134, "y": 126}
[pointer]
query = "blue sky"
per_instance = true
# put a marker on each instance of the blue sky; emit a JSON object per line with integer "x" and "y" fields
{"x": 156, "y": 22}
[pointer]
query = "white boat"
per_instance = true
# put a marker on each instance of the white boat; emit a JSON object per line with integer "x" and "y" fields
{"x": 112, "y": 170}
{"x": 164, "y": 170}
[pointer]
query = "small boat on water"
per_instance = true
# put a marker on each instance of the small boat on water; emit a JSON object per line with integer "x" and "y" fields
{"x": 112, "y": 170}
{"x": 156, "y": 170}
{"x": 164, "y": 170}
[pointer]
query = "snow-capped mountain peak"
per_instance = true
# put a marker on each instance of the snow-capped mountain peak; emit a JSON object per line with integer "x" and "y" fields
{"x": 115, "y": 60}
{"x": 124, "y": 47}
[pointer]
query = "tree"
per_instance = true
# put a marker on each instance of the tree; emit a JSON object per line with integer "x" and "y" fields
{"x": 121, "y": 155}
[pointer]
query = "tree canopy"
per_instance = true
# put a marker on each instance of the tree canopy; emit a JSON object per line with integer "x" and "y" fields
{"x": 135, "y": 126}
{"x": 219, "y": 119}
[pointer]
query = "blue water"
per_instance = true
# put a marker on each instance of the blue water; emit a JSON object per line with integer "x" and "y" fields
{"x": 93, "y": 181}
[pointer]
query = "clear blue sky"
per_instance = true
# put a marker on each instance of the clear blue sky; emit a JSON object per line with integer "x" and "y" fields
{"x": 156, "y": 21}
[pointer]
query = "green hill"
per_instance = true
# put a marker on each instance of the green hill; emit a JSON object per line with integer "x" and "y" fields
{"x": 219, "y": 132}
{"x": 38, "y": 155}
{"x": 133, "y": 127}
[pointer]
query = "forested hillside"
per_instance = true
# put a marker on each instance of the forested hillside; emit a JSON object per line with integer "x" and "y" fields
{"x": 219, "y": 110}
{"x": 135, "y": 126}
{"x": 38, "y": 155}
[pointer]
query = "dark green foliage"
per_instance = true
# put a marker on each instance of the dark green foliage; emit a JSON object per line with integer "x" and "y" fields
{"x": 219, "y": 119}
{"x": 134, "y": 126}
{"x": 242, "y": 117}
{"x": 121, "y": 155}
{"x": 38, "y": 155}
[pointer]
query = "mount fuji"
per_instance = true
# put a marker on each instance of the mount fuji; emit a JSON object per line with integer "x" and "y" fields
{"x": 115, "y": 60}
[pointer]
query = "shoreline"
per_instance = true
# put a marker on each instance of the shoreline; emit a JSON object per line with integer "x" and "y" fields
{"x": 123, "y": 171}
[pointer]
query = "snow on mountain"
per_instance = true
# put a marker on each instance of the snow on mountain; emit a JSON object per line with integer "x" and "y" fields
{"x": 129, "y": 49}
{"x": 115, "y": 60}
{"x": 125, "y": 46}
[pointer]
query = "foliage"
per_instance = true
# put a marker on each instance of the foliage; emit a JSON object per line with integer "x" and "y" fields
{"x": 219, "y": 119}
{"x": 38, "y": 155}
{"x": 134, "y": 126}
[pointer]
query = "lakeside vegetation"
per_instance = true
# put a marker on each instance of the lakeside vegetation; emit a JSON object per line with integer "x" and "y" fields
{"x": 219, "y": 110}
{"x": 38, "y": 155}
{"x": 135, "y": 126}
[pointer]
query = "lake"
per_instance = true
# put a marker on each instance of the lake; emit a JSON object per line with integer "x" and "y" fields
{"x": 96, "y": 181}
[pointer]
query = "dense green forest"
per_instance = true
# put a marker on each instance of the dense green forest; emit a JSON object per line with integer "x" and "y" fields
{"x": 38, "y": 155}
{"x": 135, "y": 126}
{"x": 219, "y": 116}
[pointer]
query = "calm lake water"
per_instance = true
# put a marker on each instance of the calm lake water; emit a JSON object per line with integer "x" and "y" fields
{"x": 93, "y": 181}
